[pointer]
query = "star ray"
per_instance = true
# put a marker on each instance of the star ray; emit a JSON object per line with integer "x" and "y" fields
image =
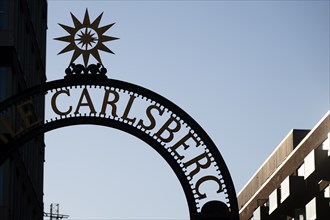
{"x": 96, "y": 22}
{"x": 70, "y": 30}
{"x": 86, "y": 21}
{"x": 104, "y": 38}
{"x": 75, "y": 55}
{"x": 68, "y": 38}
{"x": 85, "y": 57}
{"x": 96, "y": 55}
{"x": 67, "y": 48}
{"x": 102, "y": 47}
{"x": 76, "y": 22}
{"x": 103, "y": 29}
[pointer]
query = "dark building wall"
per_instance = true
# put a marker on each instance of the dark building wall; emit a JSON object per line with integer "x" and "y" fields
{"x": 23, "y": 26}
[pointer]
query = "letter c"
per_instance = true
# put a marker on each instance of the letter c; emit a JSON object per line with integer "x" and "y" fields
{"x": 203, "y": 179}
{"x": 54, "y": 106}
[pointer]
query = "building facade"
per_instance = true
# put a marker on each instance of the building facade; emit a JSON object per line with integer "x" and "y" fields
{"x": 294, "y": 182}
{"x": 23, "y": 25}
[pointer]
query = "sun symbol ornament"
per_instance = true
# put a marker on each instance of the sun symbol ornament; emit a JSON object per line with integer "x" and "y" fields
{"x": 86, "y": 39}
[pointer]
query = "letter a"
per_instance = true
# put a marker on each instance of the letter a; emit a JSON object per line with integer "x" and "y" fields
{"x": 89, "y": 102}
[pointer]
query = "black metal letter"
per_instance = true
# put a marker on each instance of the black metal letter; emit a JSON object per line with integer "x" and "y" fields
{"x": 112, "y": 103}
{"x": 150, "y": 117}
{"x": 27, "y": 114}
{"x": 198, "y": 164}
{"x": 183, "y": 143}
{"x": 128, "y": 108}
{"x": 9, "y": 128}
{"x": 171, "y": 131}
{"x": 203, "y": 179}
{"x": 89, "y": 102}
{"x": 53, "y": 102}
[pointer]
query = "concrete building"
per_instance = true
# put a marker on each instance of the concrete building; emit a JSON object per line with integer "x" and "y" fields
{"x": 294, "y": 182}
{"x": 23, "y": 25}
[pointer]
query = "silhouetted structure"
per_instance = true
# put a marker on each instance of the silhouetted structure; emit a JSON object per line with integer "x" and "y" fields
{"x": 23, "y": 26}
{"x": 54, "y": 212}
{"x": 294, "y": 182}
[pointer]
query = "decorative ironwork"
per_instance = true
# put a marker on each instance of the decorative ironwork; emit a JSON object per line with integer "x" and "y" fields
{"x": 169, "y": 130}
{"x": 78, "y": 70}
{"x": 86, "y": 38}
{"x": 206, "y": 167}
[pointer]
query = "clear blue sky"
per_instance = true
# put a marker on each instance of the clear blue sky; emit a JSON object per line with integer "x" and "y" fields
{"x": 247, "y": 71}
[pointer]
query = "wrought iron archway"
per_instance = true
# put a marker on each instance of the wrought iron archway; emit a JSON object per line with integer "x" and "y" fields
{"x": 224, "y": 208}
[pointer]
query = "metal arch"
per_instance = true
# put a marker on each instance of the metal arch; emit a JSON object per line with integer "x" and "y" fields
{"x": 118, "y": 125}
{"x": 94, "y": 81}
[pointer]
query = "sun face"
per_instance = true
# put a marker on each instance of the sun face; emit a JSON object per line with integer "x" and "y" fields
{"x": 86, "y": 38}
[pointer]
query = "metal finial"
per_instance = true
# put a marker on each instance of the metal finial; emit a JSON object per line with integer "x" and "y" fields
{"x": 86, "y": 38}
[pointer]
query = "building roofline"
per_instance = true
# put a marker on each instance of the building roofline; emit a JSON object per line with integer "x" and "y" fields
{"x": 276, "y": 171}
{"x": 272, "y": 154}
